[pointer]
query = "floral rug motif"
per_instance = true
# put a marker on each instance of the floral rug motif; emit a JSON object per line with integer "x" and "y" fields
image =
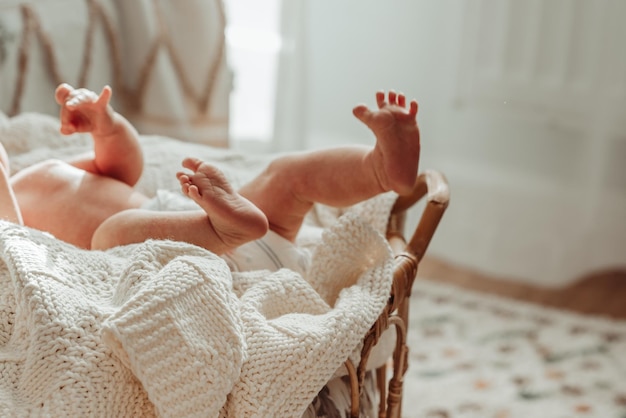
{"x": 479, "y": 356}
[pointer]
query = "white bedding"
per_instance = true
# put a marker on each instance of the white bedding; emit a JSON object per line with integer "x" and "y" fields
{"x": 164, "y": 328}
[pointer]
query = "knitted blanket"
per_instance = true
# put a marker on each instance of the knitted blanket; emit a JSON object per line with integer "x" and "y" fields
{"x": 165, "y": 329}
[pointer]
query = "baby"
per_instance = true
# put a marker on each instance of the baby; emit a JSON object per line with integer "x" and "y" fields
{"x": 90, "y": 201}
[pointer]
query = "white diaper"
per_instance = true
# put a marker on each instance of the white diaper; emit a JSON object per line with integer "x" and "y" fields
{"x": 271, "y": 252}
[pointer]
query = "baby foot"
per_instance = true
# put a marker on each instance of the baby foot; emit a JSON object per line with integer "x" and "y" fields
{"x": 234, "y": 218}
{"x": 82, "y": 110}
{"x": 395, "y": 156}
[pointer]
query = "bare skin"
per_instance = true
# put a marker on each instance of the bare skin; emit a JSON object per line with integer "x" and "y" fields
{"x": 231, "y": 213}
{"x": 78, "y": 195}
{"x": 290, "y": 186}
{"x": 342, "y": 176}
{"x": 91, "y": 203}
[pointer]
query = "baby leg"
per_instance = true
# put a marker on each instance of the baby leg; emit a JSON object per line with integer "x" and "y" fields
{"x": 342, "y": 176}
{"x": 226, "y": 221}
{"x": 117, "y": 153}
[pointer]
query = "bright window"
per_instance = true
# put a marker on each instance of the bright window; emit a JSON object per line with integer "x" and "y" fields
{"x": 253, "y": 45}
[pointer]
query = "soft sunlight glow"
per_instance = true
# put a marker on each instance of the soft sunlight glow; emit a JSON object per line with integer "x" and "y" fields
{"x": 248, "y": 39}
{"x": 254, "y": 43}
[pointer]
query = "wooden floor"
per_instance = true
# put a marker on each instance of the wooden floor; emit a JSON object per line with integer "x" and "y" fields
{"x": 602, "y": 293}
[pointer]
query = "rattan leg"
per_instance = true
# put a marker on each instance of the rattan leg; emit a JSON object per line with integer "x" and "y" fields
{"x": 381, "y": 382}
{"x": 355, "y": 390}
{"x": 394, "y": 397}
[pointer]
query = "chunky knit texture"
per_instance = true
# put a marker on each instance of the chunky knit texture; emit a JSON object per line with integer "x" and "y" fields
{"x": 163, "y": 328}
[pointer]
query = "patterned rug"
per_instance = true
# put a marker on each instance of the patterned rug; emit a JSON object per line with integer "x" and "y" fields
{"x": 478, "y": 356}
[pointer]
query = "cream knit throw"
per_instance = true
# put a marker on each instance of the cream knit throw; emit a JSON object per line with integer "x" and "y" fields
{"x": 164, "y": 329}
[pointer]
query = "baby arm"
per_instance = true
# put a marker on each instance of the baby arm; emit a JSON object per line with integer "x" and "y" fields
{"x": 83, "y": 110}
{"x": 116, "y": 142}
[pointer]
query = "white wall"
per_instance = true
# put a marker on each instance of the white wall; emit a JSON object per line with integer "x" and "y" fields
{"x": 519, "y": 107}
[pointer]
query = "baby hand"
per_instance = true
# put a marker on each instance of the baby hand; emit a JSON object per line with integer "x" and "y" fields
{"x": 83, "y": 110}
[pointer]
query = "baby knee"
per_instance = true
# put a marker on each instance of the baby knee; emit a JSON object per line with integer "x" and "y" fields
{"x": 109, "y": 233}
